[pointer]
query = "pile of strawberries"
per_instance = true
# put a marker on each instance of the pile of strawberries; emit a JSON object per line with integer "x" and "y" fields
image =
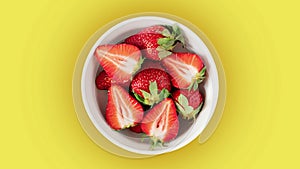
{"x": 149, "y": 83}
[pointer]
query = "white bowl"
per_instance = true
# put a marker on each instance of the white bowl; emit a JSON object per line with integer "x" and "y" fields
{"x": 95, "y": 100}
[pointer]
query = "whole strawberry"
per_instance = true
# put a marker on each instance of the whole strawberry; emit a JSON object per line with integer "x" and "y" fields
{"x": 150, "y": 86}
{"x": 161, "y": 122}
{"x": 136, "y": 129}
{"x": 119, "y": 61}
{"x": 103, "y": 82}
{"x": 155, "y": 42}
{"x": 158, "y": 29}
{"x": 187, "y": 70}
{"x": 188, "y": 103}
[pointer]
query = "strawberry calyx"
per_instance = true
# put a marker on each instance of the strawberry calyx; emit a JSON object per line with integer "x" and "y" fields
{"x": 172, "y": 35}
{"x": 198, "y": 78}
{"x": 187, "y": 111}
{"x": 154, "y": 96}
{"x": 155, "y": 142}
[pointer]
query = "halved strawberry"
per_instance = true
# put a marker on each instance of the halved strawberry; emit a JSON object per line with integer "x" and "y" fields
{"x": 161, "y": 122}
{"x": 188, "y": 103}
{"x": 119, "y": 61}
{"x": 150, "y": 86}
{"x": 103, "y": 82}
{"x": 122, "y": 110}
{"x": 156, "y": 43}
{"x": 186, "y": 70}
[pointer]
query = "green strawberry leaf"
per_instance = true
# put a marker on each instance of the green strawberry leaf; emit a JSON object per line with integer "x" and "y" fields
{"x": 183, "y": 100}
{"x": 166, "y": 33}
{"x": 203, "y": 70}
{"x": 145, "y": 94}
{"x": 138, "y": 97}
{"x": 195, "y": 86}
{"x": 163, "y": 41}
{"x": 181, "y": 39}
{"x": 179, "y": 108}
{"x": 138, "y": 66}
{"x": 160, "y": 48}
{"x": 163, "y": 54}
{"x": 163, "y": 94}
{"x": 176, "y": 29}
{"x": 188, "y": 110}
{"x": 153, "y": 88}
{"x": 177, "y": 34}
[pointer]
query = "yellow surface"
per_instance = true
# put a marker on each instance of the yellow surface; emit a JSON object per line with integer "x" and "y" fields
{"x": 258, "y": 42}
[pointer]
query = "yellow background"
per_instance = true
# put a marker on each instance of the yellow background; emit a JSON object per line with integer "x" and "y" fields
{"x": 258, "y": 43}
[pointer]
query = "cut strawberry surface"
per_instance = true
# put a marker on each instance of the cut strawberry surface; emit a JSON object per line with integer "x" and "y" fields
{"x": 122, "y": 110}
{"x": 188, "y": 103}
{"x": 186, "y": 70}
{"x": 119, "y": 61}
{"x": 161, "y": 122}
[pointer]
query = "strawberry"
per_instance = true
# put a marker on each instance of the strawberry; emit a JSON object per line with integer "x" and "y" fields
{"x": 150, "y": 86}
{"x": 153, "y": 29}
{"x": 122, "y": 110}
{"x": 188, "y": 103}
{"x": 161, "y": 122}
{"x": 136, "y": 129}
{"x": 119, "y": 61}
{"x": 154, "y": 43}
{"x": 103, "y": 82}
{"x": 186, "y": 70}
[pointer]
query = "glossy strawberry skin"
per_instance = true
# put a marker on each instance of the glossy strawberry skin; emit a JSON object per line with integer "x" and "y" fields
{"x": 161, "y": 122}
{"x": 188, "y": 103}
{"x": 153, "y": 29}
{"x": 142, "y": 80}
{"x": 119, "y": 61}
{"x": 122, "y": 110}
{"x": 136, "y": 129}
{"x": 186, "y": 69}
{"x": 103, "y": 82}
{"x": 194, "y": 97}
{"x": 147, "y": 42}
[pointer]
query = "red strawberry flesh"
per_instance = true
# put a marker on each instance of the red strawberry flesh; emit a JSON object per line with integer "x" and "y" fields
{"x": 122, "y": 110}
{"x": 185, "y": 69}
{"x": 119, "y": 61}
{"x": 161, "y": 122}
